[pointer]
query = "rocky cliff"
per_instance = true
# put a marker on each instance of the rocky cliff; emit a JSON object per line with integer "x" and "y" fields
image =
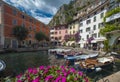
{"x": 66, "y": 12}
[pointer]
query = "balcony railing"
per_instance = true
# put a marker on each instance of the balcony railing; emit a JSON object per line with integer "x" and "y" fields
{"x": 113, "y": 17}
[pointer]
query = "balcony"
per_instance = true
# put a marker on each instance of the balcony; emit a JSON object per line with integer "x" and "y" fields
{"x": 113, "y": 17}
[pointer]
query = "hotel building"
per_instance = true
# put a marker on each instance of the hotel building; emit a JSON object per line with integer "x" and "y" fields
{"x": 91, "y": 21}
{"x": 11, "y": 17}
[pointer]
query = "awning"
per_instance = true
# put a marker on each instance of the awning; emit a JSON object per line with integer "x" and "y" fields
{"x": 82, "y": 42}
{"x": 98, "y": 40}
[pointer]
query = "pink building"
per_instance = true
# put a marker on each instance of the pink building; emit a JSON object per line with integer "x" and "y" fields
{"x": 58, "y": 33}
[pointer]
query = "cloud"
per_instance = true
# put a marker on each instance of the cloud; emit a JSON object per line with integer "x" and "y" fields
{"x": 45, "y": 9}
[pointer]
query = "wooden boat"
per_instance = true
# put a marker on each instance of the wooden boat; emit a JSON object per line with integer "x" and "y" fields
{"x": 92, "y": 64}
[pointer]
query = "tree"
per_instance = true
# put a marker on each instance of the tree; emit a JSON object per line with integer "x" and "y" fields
{"x": 20, "y": 32}
{"x": 40, "y": 36}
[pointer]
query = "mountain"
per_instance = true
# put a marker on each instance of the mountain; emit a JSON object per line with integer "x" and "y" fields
{"x": 66, "y": 12}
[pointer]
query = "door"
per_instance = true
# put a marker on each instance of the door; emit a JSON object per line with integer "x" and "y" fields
{"x": 14, "y": 44}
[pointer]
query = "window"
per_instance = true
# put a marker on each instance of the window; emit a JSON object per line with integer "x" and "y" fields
{"x": 70, "y": 27}
{"x": 60, "y": 38}
{"x": 87, "y": 29}
{"x": 23, "y": 25}
{"x": 73, "y": 32}
{"x": 30, "y": 28}
{"x": 94, "y": 27}
{"x": 34, "y": 28}
{"x": 81, "y": 24}
{"x": 102, "y": 8}
{"x": 88, "y": 21}
{"x": 94, "y": 19}
{"x": 59, "y": 32}
{"x": 87, "y": 36}
{"x": 30, "y": 35}
{"x": 81, "y": 31}
{"x": 23, "y": 16}
{"x": 30, "y": 20}
{"x": 100, "y": 25}
{"x": 14, "y": 12}
{"x": 52, "y": 32}
{"x": 98, "y": 34}
{"x": 14, "y": 22}
{"x": 94, "y": 13}
{"x": 55, "y": 32}
{"x": 94, "y": 35}
{"x": 101, "y": 15}
{"x": 66, "y": 31}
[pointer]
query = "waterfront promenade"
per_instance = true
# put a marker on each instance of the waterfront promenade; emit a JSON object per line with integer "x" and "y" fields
{"x": 111, "y": 78}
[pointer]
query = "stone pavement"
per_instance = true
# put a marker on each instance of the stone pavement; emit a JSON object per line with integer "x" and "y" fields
{"x": 112, "y": 78}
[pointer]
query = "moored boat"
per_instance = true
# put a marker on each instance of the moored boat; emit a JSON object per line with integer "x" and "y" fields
{"x": 92, "y": 64}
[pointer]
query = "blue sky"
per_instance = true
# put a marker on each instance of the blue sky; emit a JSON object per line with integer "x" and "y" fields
{"x": 42, "y": 10}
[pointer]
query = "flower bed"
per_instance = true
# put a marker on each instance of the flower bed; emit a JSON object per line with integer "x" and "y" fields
{"x": 52, "y": 74}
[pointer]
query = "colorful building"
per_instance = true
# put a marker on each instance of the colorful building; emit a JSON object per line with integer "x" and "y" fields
{"x": 11, "y": 17}
{"x": 73, "y": 28}
{"x": 58, "y": 33}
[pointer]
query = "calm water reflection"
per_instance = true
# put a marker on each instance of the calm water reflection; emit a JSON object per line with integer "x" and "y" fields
{"x": 19, "y": 62}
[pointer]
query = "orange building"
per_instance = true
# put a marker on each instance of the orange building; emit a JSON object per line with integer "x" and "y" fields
{"x": 11, "y": 17}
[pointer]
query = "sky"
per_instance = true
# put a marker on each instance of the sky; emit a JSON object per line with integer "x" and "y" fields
{"x": 42, "y": 10}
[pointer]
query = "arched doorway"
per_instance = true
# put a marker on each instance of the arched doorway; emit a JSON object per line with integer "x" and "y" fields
{"x": 116, "y": 45}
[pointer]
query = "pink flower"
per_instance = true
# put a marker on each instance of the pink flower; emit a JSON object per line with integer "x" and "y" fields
{"x": 72, "y": 70}
{"x": 58, "y": 78}
{"x": 48, "y": 78}
{"x": 19, "y": 81}
{"x": 63, "y": 79}
{"x": 86, "y": 80}
{"x": 19, "y": 76}
{"x": 35, "y": 71}
{"x": 36, "y": 80}
{"x": 41, "y": 67}
{"x": 65, "y": 74}
{"x": 30, "y": 70}
{"x": 80, "y": 73}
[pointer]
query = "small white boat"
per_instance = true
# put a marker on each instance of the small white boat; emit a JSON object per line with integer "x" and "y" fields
{"x": 2, "y": 65}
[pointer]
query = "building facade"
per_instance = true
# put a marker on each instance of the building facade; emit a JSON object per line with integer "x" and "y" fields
{"x": 91, "y": 21}
{"x": 113, "y": 19}
{"x": 58, "y": 33}
{"x": 11, "y": 17}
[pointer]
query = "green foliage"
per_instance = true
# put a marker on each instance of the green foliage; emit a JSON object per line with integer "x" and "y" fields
{"x": 109, "y": 28}
{"x": 111, "y": 12}
{"x": 40, "y": 36}
{"x": 106, "y": 46}
{"x": 20, "y": 32}
{"x": 118, "y": 0}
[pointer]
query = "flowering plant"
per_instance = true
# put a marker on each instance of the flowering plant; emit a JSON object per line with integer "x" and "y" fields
{"x": 52, "y": 74}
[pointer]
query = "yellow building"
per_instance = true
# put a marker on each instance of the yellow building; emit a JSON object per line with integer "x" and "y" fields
{"x": 73, "y": 28}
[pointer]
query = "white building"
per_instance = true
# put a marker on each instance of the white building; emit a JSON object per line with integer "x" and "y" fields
{"x": 91, "y": 23}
